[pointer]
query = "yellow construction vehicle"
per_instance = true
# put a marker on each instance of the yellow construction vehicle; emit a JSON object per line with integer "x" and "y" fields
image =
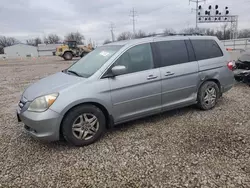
{"x": 70, "y": 49}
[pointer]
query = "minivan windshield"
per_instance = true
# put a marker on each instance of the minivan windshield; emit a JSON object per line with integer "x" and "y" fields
{"x": 92, "y": 62}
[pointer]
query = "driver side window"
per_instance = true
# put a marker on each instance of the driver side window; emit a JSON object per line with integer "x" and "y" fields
{"x": 138, "y": 58}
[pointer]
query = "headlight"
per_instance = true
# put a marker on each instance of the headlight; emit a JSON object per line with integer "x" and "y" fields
{"x": 41, "y": 104}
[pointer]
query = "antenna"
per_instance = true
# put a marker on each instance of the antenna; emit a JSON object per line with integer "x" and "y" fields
{"x": 133, "y": 14}
{"x": 112, "y": 26}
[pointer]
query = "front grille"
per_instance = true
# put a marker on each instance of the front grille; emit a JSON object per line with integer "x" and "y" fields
{"x": 60, "y": 49}
{"x": 242, "y": 65}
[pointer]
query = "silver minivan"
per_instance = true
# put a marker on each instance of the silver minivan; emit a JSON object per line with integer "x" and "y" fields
{"x": 123, "y": 81}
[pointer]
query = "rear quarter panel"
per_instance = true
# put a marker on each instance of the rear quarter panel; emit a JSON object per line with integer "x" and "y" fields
{"x": 216, "y": 68}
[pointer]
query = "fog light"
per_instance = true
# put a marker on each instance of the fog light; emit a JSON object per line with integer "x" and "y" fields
{"x": 29, "y": 129}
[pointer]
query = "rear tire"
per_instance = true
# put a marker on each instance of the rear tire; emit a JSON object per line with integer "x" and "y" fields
{"x": 208, "y": 95}
{"x": 67, "y": 56}
{"x": 83, "y": 125}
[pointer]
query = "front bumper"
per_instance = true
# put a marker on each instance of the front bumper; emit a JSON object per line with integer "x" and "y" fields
{"x": 241, "y": 72}
{"x": 43, "y": 126}
{"x": 242, "y": 75}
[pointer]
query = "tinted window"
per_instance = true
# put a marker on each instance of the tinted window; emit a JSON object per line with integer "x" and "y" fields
{"x": 172, "y": 52}
{"x": 138, "y": 58}
{"x": 206, "y": 49}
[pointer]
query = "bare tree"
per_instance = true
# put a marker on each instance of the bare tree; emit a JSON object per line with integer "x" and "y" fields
{"x": 226, "y": 32}
{"x": 75, "y": 36}
{"x": 51, "y": 39}
{"x": 193, "y": 31}
{"x": 124, "y": 36}
{"x": 222, "y": 34}
{"x": 168, "y": 32}
{"x": 107, "y": 41}
{"x": 245, "y": 33}
{"x": 152, "y": 34}
{"x": 219, "y": 34}
{"x": 140, "y": 34}
{"x": 209, "y": 32}
{"x": 7, "y": 41}
{"x": 34, "y": 42}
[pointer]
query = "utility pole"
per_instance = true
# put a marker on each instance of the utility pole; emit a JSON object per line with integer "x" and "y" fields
{"x": 196, "y": 10}
{"x": 133, "y": 15}
{"x": 112, "y": 31}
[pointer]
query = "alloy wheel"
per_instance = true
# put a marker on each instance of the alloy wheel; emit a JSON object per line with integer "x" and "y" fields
{"x": 210, "y": 96}
{"x": 85, "y": 126}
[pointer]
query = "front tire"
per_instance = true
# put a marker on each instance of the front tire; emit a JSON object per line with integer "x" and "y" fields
{"x": 67, "y": 56}
{"x": 83, "y": 125}
{"x": 208, "y": 95}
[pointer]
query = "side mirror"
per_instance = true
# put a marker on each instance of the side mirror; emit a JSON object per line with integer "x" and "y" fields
{"x": 119, "y": 70}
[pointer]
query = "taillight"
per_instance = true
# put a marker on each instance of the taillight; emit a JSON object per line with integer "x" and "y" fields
{"x": 230, "y": 65}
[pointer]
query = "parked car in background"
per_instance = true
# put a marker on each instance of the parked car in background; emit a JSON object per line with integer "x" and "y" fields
{"x": 123, "y": 81}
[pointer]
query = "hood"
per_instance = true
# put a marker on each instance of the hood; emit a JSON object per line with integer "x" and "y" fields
{"x": 51, "y": 84}
{"x": 245, "y": 57}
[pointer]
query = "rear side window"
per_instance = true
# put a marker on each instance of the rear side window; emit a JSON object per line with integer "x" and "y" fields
{"x": 172, "y": 52}
{"x": 206, "y": 49}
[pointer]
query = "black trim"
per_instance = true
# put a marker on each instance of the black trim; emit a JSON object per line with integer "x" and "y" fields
{"x": 111, "y": 122}
{"x": 108, "y": 74}
{"x": 18, "y": 117}
{"x": 190, "y": 50}
{"x": 156, "y": 55}
{"x": 193, "y": 49}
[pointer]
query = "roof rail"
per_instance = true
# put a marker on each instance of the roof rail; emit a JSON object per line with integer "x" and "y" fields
{"x": 186, "y": 34}
{"x": 174, "y": 34}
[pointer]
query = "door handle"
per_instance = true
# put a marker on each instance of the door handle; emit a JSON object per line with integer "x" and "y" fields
{"x": 151, "y": 77}
{"x": 169, "y": 73}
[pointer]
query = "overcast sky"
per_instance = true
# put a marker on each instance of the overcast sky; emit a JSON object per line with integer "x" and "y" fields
{"x": 25, "y": 19}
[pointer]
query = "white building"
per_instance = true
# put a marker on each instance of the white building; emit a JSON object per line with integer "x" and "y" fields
{"x": 47, "y": 49}
{"x": 20, "y": 50}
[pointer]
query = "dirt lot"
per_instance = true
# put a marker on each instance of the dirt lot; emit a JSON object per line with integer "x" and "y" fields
{"x": 181, "y": 148}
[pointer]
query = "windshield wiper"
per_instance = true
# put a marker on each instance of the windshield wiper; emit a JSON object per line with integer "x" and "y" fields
{"x": 75, "y": 73}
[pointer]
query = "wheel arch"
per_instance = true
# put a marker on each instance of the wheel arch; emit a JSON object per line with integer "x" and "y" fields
{"x": 109, "y": 118}
{"x": 211, "y": 80}
{"x": 68, "y": 51}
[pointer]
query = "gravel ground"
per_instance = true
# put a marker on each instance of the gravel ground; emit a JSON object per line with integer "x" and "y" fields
{"x": 181, "y": 148}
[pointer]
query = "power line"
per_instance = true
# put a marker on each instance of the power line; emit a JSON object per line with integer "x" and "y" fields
{"x": 133, "y": 14}
{"x": 162, "y": 7}
{"x": 196, "y": 10}
{"x": 112, "y": 26}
